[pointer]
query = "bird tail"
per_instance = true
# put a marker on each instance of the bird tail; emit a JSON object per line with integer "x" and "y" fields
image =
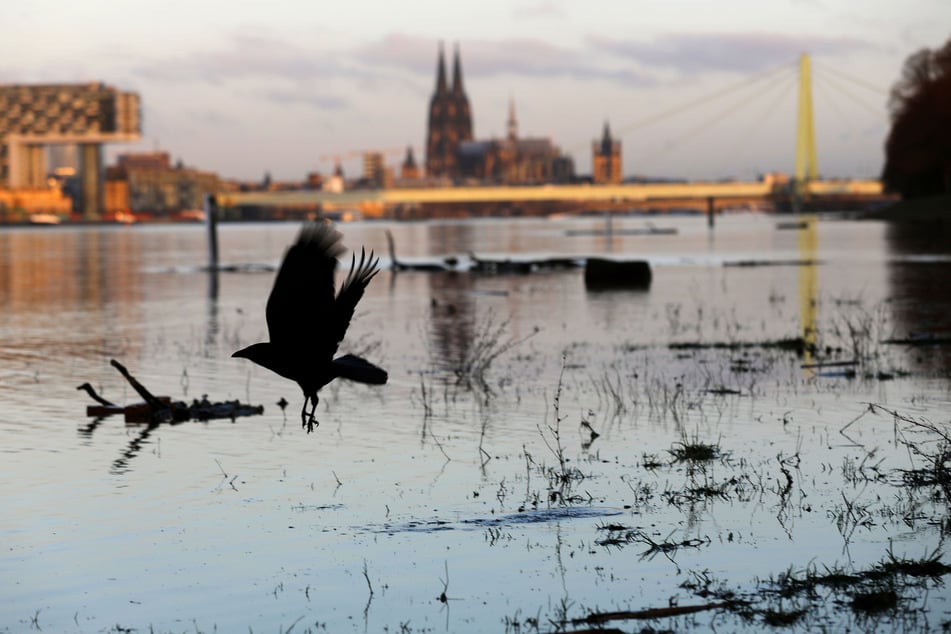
{"x": 356, "y": 369}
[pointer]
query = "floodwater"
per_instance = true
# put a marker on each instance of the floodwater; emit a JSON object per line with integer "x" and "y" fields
{"x": 456, "y": 498}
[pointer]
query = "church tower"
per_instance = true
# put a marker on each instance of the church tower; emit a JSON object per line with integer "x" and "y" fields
{"x": 606, "y": 158}
{"x": 450, "y": 120}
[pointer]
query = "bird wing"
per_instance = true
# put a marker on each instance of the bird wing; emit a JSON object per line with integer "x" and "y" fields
{"x": 351, "y": 291}
{"x": 301, "y": 305}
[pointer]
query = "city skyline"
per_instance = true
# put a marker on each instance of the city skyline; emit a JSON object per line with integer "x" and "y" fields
{"x": 242, "y": 92}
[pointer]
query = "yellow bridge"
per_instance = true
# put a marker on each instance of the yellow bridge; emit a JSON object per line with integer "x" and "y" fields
{"x": 618, "y": 194}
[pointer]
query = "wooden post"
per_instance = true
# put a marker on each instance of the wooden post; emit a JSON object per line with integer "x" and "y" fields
{"x": 211, "y": 224}
{"x": 711, "y": 210}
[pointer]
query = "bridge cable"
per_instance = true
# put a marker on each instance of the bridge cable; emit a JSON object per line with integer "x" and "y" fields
{"x": 825, "y": 80}
{"x": 756, "y": 125}
{"x": 855, "y": 80}
{"x": 744, "y": 100}
{"x": 654, "y": 118}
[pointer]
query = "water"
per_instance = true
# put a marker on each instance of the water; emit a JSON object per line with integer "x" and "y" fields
{"x": 424, "y": 489}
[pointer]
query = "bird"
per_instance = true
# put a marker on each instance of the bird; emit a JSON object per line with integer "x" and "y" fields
{"x": 306, "y": 321}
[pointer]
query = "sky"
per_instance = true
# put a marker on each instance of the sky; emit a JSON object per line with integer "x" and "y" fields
{"x": 693, "y": 89}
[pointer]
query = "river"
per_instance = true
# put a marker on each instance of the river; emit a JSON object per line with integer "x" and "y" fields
{"x": 469, "y": 493}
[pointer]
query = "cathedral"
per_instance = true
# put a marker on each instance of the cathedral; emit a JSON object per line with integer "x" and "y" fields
{"x": 452, "y": 153}
{"x": 450, "y": 121}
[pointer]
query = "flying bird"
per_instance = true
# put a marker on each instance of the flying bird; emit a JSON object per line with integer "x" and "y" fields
{"x": 306, "y": 321}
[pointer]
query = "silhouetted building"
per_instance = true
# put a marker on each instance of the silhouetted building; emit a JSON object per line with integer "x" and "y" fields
{"x": 450, "y": 120}
{"x": 606, "y": 158}
{"x": 145, "y": 161}
{"x": 314, "y": 180}
{"x": 514, "y": 160}
{"x": 147, "y": 183}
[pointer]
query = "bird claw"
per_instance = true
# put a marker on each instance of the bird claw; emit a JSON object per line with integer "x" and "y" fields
{"x": 307, "y": 419}
{"x": 311, "y": 423}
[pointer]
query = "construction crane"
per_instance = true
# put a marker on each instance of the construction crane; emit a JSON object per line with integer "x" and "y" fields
{"x": 373, "y": 160}
{"x": 351, "y": 154}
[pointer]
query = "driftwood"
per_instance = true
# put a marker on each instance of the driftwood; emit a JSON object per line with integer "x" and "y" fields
{"x": 155, "y": 409}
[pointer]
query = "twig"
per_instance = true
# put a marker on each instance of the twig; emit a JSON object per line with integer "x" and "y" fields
{"x": 485, "y": 421}
{"x": 367, "y": 577}
{"x": 445, "y": 585}
{"x": 92, "y": 393}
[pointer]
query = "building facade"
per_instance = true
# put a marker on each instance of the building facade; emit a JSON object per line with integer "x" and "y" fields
{"x": 450, "y": 120}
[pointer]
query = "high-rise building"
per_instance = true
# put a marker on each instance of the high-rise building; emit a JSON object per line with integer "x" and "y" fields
{"x": 33, "y": 117}
{"x": 606, "y": 158}
{"x": 450, "y": 120}
{"x": 375, "y": 172}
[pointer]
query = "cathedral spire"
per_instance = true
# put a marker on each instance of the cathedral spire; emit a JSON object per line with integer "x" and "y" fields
{"x": 457, "y": 72}
{"x": 450, "y": 120}
{"x": 441, "y": 87}
{"x": 512, "y": 123}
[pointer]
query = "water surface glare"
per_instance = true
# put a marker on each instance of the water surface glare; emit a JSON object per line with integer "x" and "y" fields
{"x": 462, "y": 501}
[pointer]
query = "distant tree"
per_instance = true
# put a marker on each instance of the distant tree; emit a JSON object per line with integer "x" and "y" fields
{"x": 918, "y": 149}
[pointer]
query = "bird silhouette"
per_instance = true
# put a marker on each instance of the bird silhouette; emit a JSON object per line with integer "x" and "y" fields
{"x": 306, "y": 322}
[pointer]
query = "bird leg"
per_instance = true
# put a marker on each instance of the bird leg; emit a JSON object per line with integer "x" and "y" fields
{"x": 309, "y": 420}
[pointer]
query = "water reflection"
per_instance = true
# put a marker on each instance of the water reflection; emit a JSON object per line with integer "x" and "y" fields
{"x": 918, "y": 275}
{"x": 808, "y": 284}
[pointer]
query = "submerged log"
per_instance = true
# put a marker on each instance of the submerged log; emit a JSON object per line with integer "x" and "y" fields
{"x": 156, "y": 409}
{"x": 606, "y": 274}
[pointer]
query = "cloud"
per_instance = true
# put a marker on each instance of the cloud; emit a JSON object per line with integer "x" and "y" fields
{"x": 247, "y": 56}
{"x": 481, "y": 58}
{"x": 691, "y": 53}
{"x": 415, "y": 54}
{"x": 542, "y": 9}
{"x": 319, "y": 102}
{"x": 266, "y": 68}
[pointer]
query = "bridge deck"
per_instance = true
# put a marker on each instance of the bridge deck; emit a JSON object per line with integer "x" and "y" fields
{"x": 613, "y": 193}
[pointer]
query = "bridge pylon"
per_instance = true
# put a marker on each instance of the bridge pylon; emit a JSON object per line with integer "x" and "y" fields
{"x": 807, "y": 168}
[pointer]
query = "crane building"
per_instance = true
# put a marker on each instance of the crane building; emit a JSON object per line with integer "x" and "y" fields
{"x": 34, "y": 117}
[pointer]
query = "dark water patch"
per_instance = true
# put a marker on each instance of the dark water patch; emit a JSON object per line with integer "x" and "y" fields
{"x": 541, "y": 516}
{"x": 928, "y": 339}
{"x": 249, "y": 267}
{"x": 794, "y": 344}
{"x": 750, "y": 263}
